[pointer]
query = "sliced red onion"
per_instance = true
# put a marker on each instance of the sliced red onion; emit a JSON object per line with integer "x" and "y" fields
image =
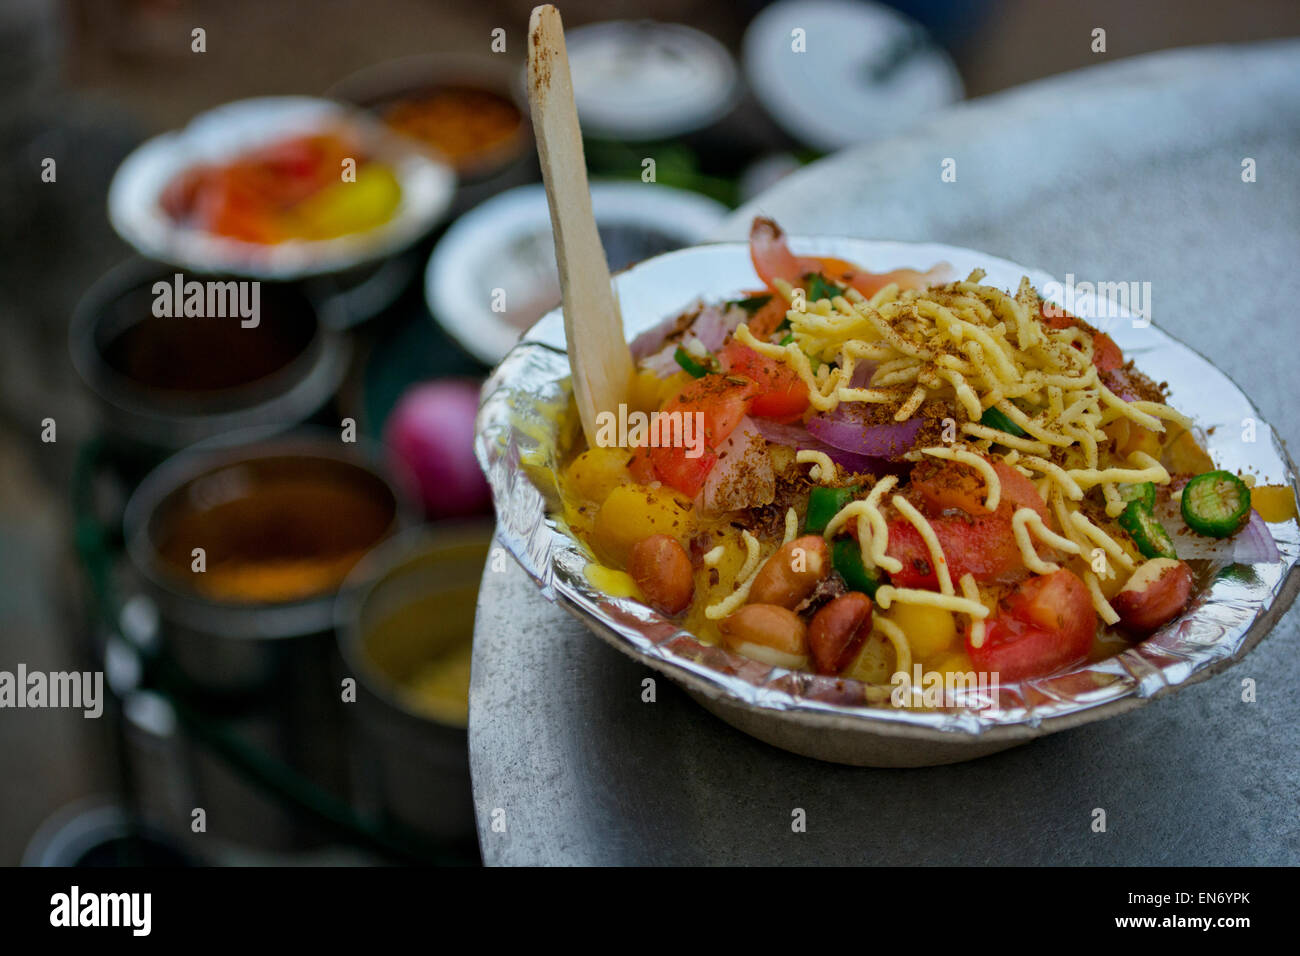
{"x": 1253, "y": 544}
{"x": 664, "y": 362}
{"x": 862, "y": 372}
{"x": 742, "y": 477}
{"x": 799, "y": 438}
{"x": 890, "y": 440}
{"x": 714, "y": 324}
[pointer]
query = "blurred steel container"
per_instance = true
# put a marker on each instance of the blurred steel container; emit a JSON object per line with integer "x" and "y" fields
{"x": 265, "y": 668}
{"x": 407, "y": 604}
{"x": 165, "y": 383}
{"x": 383, "y": 84}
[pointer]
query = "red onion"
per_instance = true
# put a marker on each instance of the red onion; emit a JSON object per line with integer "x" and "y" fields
{"x": 889, "y": 440}
{"x": 430, "y": 433}
{"x": 714, "y": 324}
{"x": 1253, "y": 544}
{"x": 799, "y": 438}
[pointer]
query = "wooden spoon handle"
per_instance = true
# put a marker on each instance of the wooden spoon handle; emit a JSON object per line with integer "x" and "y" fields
{"x": 593, "y": 326}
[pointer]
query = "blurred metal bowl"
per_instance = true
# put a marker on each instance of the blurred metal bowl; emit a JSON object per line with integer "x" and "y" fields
{"x": 266, "y": 669}
{"x": 520, "y": 426}
{"x": 308, "y": 364}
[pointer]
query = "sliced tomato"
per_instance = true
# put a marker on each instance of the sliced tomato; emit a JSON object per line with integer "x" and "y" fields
{"x": 869, "y": 283}
{"x": 782, "y": 394}
{"x": 765, "y": 321}
{"x": 1106, "y": 355}
{"x": 983, "y": 546}
{"x": 772, "y": 257}
{"x": 676, "y": 470}
{"x": 1045, "y": 624}
{"x": 722, "y": 401}
{"x": 944, "y": 485}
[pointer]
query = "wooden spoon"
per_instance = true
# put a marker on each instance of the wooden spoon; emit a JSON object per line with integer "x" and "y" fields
{"x": 593, "y": 326}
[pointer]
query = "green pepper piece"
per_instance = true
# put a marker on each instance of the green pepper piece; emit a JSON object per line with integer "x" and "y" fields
{"x": 1143, "y": 491}
{"x": 819, "y": 288}
{"x": 752, "y": 304}
{"x": 690, "y": 364}
{"x": 1216, "y": 504}
{"x": 787, "y": 340}
{"x": 824, "y": 504}
{"x": 846, "y": 558}
{"x": 1147, "y": 533}
{"x": 997, "y": 419}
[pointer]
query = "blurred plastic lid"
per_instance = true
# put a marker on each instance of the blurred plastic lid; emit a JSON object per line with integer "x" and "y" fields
{"x": 641, "y": 80}
{"x": 493, "y": 273}
{"x": 834, "y": 73}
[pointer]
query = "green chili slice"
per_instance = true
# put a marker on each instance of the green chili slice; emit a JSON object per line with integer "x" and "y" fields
{"x": 1143, "y": 491}
{"x": 1216, "y": 504}
{"x": 752, "y": 304}
{"x": 691, "y": 365}
{"x": 824, "y": 504}
{"x": 819, "y": 288}
{"x": 1147, "y": 533}
{"x": 846, "y": 558}
{"x": 994, "y": 418}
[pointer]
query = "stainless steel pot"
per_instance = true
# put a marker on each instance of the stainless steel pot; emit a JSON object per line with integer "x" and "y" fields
{"x": 407, "y": 603}
{"x": 294, "y": 360}
{"x": 266, "y": 669}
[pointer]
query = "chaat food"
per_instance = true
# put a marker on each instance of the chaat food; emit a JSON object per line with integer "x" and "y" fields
{"x": 859, "y": 474}
{"x": 310, "y": 187}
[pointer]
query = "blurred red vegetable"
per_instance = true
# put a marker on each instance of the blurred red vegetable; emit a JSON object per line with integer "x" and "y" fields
{"x": 430, "y": 433}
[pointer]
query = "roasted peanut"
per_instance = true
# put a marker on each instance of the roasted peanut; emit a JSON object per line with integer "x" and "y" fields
{"x": 767, "y": 632}
{"x": 661, "y": 569}
{"x": 837, "y": 632}
{"x": 1155, "y": 593}
{"x": 792, "y": 572}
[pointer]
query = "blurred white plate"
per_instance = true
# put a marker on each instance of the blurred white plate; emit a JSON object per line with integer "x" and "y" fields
{"x": 219, "y": 134}
{"x": 493, "y": 274}
{"x": 865, "y": 71}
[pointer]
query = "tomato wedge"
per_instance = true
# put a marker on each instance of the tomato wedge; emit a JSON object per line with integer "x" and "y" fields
{"x": 1045, "y": 624}
{"x": 945, "y": 485}
{"x": 721, "y": 401}
{"x": 983, "y": 546}
{"x": 782, "y": 394}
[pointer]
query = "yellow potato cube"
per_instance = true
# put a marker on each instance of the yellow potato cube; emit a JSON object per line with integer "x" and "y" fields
{"x": 633, "y": 512}
{"x": 928, "y": 629}
{"x": 596, "y": 472}
{"x": 1273, "y": 502}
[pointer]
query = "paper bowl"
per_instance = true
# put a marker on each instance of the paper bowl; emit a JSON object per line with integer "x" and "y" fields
{"x": 519, "y": 427}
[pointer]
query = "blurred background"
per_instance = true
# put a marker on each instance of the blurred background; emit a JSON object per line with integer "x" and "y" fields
{"x": 339, "y": 555}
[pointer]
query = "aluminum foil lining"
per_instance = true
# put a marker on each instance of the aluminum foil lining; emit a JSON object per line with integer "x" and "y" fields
{"x": 523, "y": 429}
